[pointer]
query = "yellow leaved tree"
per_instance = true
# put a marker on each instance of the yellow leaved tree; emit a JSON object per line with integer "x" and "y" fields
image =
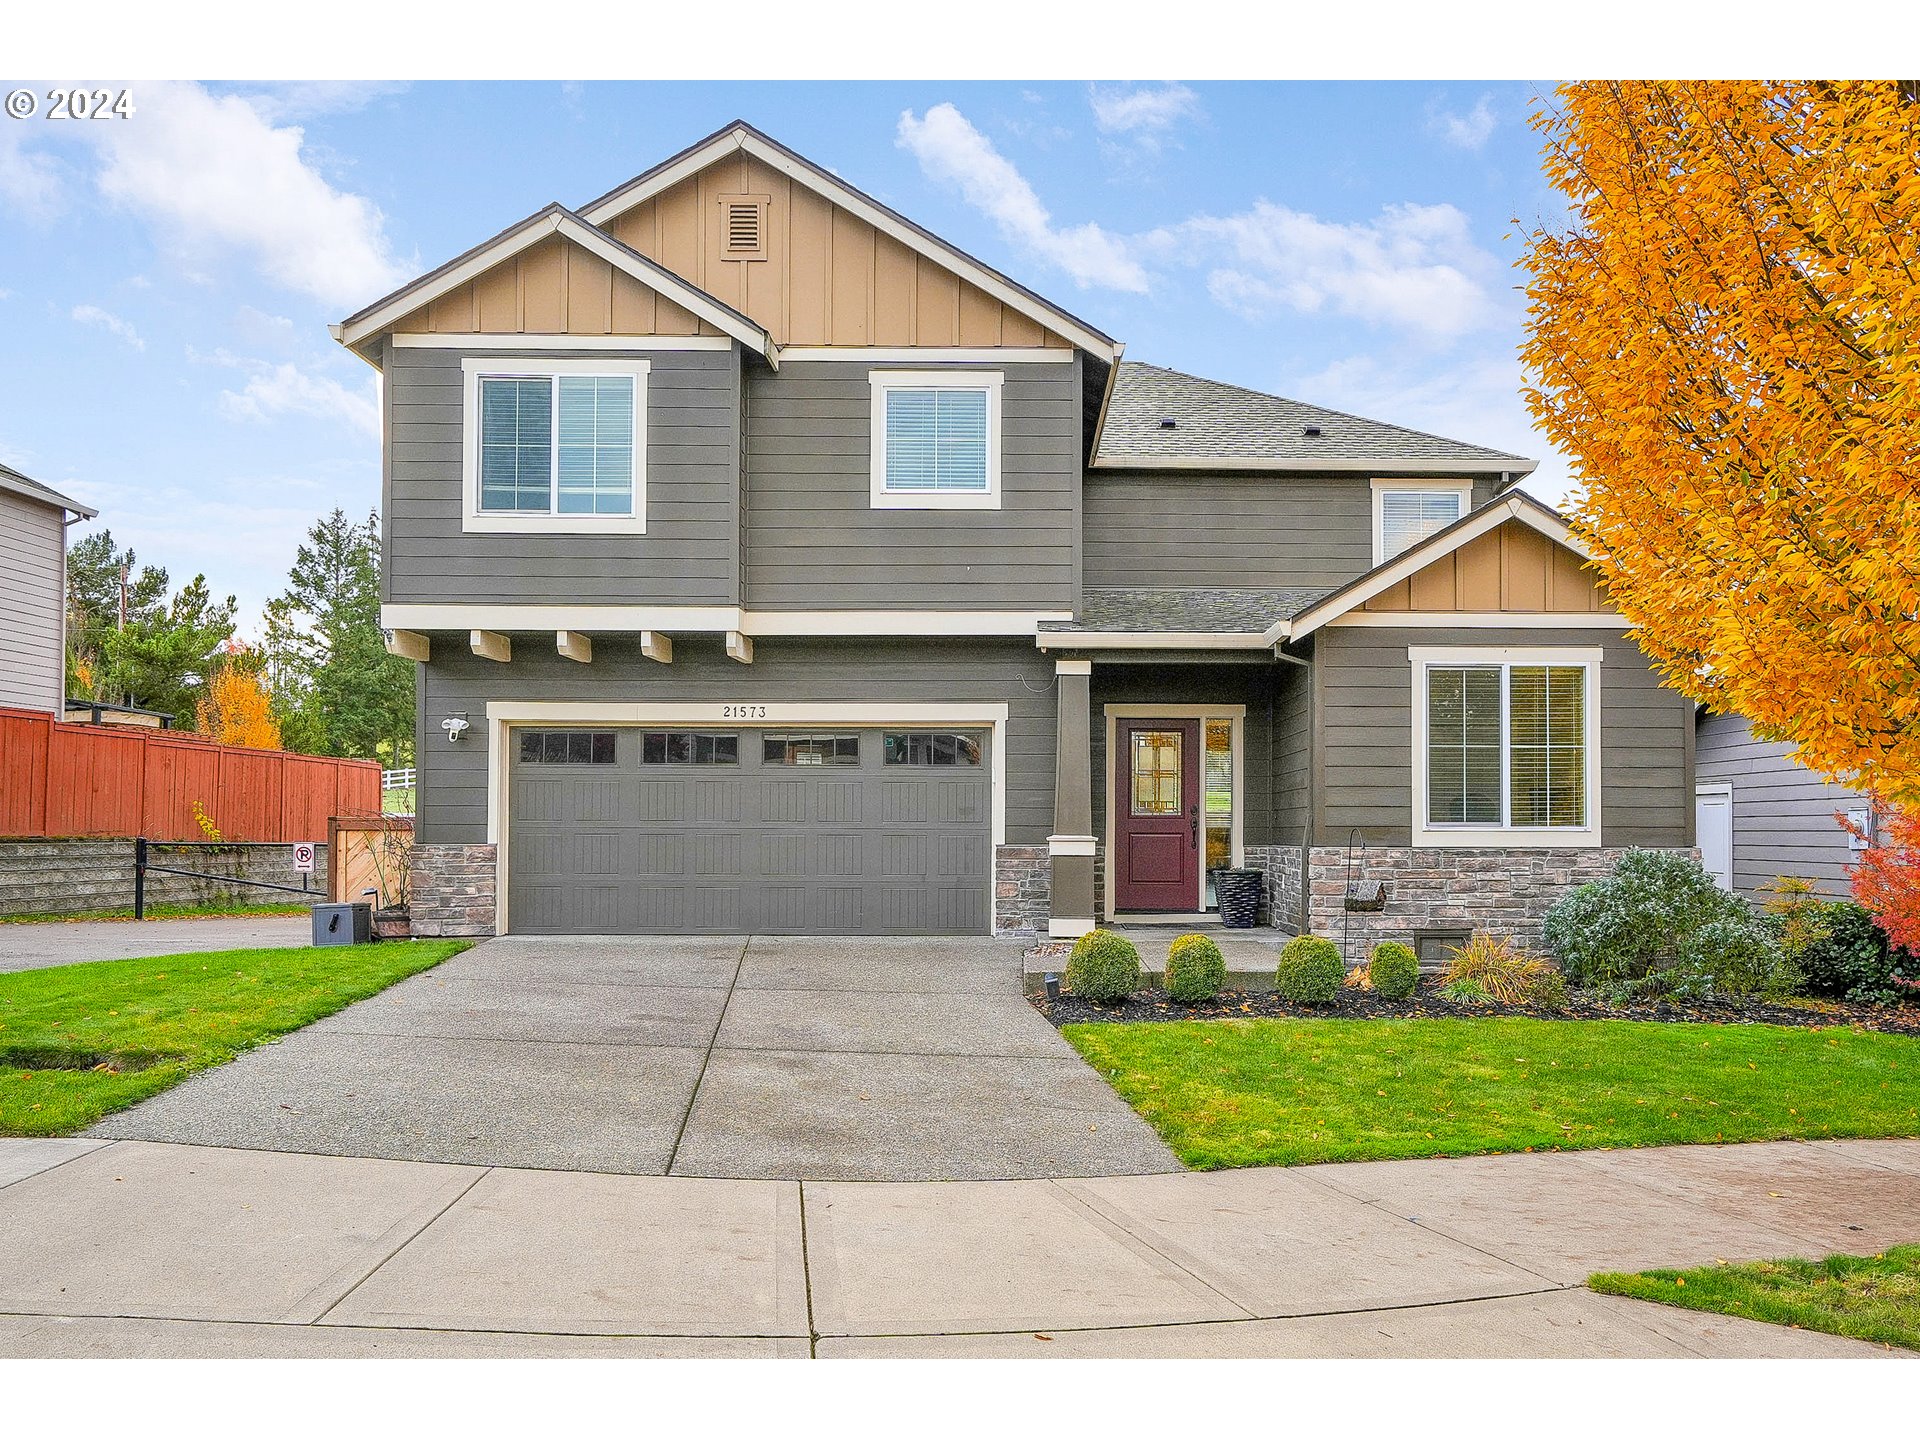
{"x": 1725, "y": 335}
{"x": 236, "y": 709}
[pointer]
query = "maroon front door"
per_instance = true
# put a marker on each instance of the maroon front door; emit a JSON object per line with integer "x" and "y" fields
{"x": 1156, "y": 811}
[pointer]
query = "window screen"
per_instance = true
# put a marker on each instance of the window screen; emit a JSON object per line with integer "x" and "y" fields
{"x": 557, "y": 444}
{"x": 1463, "y": 746}
{"x": 936, "y": 440}
{"x": 516, "y": 444}
{"x": 913, "y": 749}
{"x": 683, "y": 747}
{"x": 1547, "y": 745}
{"x": 596, "y": 444}
{"x": 1409, "y": 516}
{"x": 810, "y": 749}
{"x": 567, "y": 747}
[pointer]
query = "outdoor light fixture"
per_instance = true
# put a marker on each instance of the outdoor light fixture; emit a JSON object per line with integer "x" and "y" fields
{"x": 455, "y": 726}
{"x": 1053, "y": 987}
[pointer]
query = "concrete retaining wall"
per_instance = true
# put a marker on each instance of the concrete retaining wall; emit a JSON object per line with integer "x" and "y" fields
{"x": 66, "y": 877}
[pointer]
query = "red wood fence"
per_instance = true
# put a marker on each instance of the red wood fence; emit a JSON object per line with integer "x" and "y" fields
{"x": 61, "y": 779}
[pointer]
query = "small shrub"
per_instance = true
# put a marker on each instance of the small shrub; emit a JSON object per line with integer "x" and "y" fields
{"x": 1494, "y": 968}
{"x": 1310, "y": 970}
{"x": 1854, "y": 961}
{"x": 1195, "y": 970}
{"x": 1796, "y": 912}
{"x": 1394, "y": 970}
{"x": 1104, "y": 967}
{"x": 1660, "y": 926}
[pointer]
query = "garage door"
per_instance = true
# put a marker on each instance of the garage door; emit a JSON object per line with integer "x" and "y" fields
{"x": 618, "y": 831}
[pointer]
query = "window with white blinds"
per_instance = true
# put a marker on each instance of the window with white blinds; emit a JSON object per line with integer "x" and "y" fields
{"x": 1506, "y": 746}
{"x": 936, "y": 440}
{"x": 1405, "y": 517}
{"x": 556, "y": 445}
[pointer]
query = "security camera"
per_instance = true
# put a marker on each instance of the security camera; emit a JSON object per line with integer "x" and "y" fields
{"x": 454, "y": 726}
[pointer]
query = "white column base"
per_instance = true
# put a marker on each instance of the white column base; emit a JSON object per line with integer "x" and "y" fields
{"x": 1068, "y": 929}
{"x": 1071, "y": 844}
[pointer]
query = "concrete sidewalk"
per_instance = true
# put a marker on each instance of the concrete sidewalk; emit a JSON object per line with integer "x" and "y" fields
{"x": 130, "y": 1248}
{"x": 37, "y": 944}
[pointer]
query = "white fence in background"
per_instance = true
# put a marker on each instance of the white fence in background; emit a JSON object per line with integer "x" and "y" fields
{"x": 397, "y": 779}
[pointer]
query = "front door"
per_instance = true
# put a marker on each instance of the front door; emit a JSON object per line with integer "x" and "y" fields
{"x": 1156, "y": 808}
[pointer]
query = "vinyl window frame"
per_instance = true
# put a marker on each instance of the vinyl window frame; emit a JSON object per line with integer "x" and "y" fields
{"x": 884, "y": 381}
{"x": 1426, "y": 834}
{"x": 474, "y": 520}
{"x": 1382, "y": 488}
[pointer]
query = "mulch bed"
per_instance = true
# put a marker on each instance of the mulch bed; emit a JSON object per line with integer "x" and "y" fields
{"x": 1427, "y": 1003}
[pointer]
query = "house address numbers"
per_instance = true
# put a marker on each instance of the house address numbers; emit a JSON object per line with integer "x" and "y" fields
{"x": 743, "y": 712}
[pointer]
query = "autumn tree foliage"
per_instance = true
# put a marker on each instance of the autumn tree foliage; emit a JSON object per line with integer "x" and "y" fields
{"x": 236, "y": 709}
{"x": 1725, "y": 335}
{"x": 1886, "y": 877}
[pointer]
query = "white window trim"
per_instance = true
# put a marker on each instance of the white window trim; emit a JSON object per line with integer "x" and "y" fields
{"x": 881, "y": 382}
{"x": 1381, "y": 488}
{"x": 521, "y": 522}
{"x": 1427, "y": 835}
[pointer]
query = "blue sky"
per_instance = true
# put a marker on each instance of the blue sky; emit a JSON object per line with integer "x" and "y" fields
{"x": 166, "y": 281}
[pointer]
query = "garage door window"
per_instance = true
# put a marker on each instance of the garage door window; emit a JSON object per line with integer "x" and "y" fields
{"x": 566, "y": 747}
{"x": 683, "y": 747}
{"x": 912, "y": 749}
{"x": 811, "y": 750}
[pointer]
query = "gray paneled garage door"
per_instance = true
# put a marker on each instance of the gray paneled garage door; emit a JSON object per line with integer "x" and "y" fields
{"x": 634, "y": 831}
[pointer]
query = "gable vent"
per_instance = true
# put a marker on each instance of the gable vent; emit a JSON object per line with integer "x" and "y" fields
{"x": 743, "y": 227}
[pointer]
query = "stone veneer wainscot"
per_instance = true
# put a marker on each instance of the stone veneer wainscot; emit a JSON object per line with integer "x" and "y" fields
{"x": 453, "y": 889}
{"x": 1022, "y": 889}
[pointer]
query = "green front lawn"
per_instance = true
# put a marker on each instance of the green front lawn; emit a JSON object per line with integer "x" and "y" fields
{"x": 1226, "y": 1093}
{"x": 80, "y": 1041}
{"x": 1868, "y": 1297}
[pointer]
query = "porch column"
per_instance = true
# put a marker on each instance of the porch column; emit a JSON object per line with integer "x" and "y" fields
{"x": 1070, "y": 847}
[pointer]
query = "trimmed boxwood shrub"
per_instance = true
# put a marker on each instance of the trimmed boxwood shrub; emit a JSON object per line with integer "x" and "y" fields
{"x": 1853, "y": 961}
{"x": 1310, "y": 970}
{"x": 1104, "y": 967}
{"x": 1195, "y": 969}
{"x": 1394, "y": 970}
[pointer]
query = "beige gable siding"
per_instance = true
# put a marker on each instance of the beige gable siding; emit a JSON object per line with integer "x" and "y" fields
{"x": 32, "y": 577}
{"x": 829, "y": 277}
{"x": 553, "y": 288}
{"x": 1512, "y": 570}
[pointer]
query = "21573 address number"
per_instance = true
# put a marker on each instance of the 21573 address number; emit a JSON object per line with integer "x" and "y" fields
{"x": 743, "y": 712}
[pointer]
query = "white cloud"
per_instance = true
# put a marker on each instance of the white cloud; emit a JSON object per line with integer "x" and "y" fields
{"x": 108, "y": 321}
{"x": 29, "y": 180}
{"x": 1154, "y": 108}
{"x": 286, "y": 389}
{"x": 306, "y": 99}
{"x": 1415, "y": 267}
{"x": 951, "y": 151}
{"x": 1464, "y": 132}
{"x": 215, "y": 174}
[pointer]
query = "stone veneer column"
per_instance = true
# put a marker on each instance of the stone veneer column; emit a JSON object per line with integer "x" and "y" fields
{"x": 1071, "y": 846}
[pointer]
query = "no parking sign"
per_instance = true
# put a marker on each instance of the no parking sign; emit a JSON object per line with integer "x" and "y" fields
{"x": 303, "y": 858}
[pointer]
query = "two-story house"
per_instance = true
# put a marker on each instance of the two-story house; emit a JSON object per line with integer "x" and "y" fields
{"x": 772, "y": 565}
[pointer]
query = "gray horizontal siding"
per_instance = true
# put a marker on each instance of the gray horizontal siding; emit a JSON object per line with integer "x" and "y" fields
{"x": 453, "y": 777}
{"x": 32, "y": 588}
{"x": 815, "y": 542}
{"x": 1235, "y": 531}
{"x": 689, "y": 555}
{"x": 1364, "y": 734}
{"x": 1783, "y": 813}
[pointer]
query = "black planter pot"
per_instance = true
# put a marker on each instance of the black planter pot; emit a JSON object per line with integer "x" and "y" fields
{"x": 1238, "y": 892}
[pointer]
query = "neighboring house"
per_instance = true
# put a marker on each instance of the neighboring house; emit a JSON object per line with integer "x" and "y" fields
{"x": 774, "y": 566}
{"x": 33, "y": 591}
{"x": 1761, "y": 814}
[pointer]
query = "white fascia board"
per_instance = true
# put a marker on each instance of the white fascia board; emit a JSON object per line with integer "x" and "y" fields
{"x": 858, "y": 205}
{"x": 1527, "y": 511}
{"x": 714, "y": 619}
{"x": 1376, "y": 465}
{"x": 1151, "y": 640}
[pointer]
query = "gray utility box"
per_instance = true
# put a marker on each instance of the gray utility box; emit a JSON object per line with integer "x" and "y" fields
{"x": 342, "y": 924}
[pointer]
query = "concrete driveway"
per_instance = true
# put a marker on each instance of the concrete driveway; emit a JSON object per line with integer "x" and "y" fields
{"x": 760, "y": 1058}
{"x": 35, "y": 945}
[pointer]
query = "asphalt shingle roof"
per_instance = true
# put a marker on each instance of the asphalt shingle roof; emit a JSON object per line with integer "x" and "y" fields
{"x": 1215, "y": 612}
{"x": 1213, "y": 421}
{"x": 11, "y": 479}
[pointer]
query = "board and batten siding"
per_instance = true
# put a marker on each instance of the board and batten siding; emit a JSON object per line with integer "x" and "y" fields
{"x": 814, "y": 540}
{"x": 1783, "y": 813}
{"x": 33, "y": 560}
{"x": 1364, "y": 734}
{"x": 689, "y": 554}
{"x": 1172, "y": 529}
{"x": 453, "y": 777}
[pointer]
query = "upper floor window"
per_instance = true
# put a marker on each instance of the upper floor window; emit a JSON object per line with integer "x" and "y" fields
{"x": 556, "y": 445}
{"x": 1405, "y": 512}
{"x": 936, "y": 439}
{"x": 1505, "y": 741}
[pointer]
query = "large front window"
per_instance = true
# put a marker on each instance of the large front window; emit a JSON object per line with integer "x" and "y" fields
{"x": 936, "y": 440}
{"x": 556, "y": 445}
{"x": 1506, "y": 746}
